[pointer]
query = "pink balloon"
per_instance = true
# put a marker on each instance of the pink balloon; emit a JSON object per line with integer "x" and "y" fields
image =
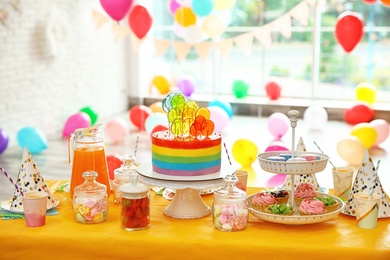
{"x": 382, "y": 129}
{"x": 277, "y": 146}
{"x": 220, "y": 118}
{"x": 116, "y": 130}
{"x": 116, "y": 9}
{"x": 172, "y": 6}
{"x": 278, "y": 125}
{"x": 75, "y": 121}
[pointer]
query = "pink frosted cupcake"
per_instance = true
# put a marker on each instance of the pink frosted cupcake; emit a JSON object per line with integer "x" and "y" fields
{"x": 262, "y": 200}
{"x": 311, "y": 207}
{"x": 304, "y": 191}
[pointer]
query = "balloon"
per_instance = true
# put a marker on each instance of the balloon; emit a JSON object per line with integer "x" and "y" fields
{"x": 159, "y": 128}
{"x": 278, "y": 125}
{"x": 154, "y": 120}
{"x": 315, "y": 117}
{"x": 386, "y": 3}
{"x": 273, "y": 90}
{"x": 138, "y": 115}
{"x": 366, "y": 133}
{"x": 185, "y": 17}
{"x": 222, "y": 104}
{"x": 4, "y": 138}
{"x": 91, "y": 113}
{"x": 172, "y": 6}
{"x": 162, "y": 84}
{"x": 32, "y": 138}
{"x": 382, "y": 128}
{"x": 349, "y": 30}
{"x": 116, "y": 129}
{"x": 202, "y": 7}
{"x": 193, "y": 34}
{"x": 156, "y": 107}
{"x": 240, "y": 88}
{"x": 351, "y": 150}
{"x": 117, "y": 9}
{"x": 213, "y": 26}
{"x": 186, "y": 85}
{"x": 358, "y": 114}
{"x": 75, "y": 121}
{"x": 114, "y": 161}
{"x": 224, "y": 4}
{"x": 369, "y": 2}
{"x": 276, "y": 180}
{"x": 277, "y": 145}
{"x": 140, "y": 21}
{"x": 244, "y": 152}
{"x": 220, "y": 118}
{"x": 366, "y": 92}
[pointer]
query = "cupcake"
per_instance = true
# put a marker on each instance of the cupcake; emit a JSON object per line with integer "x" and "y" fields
{"x": 304, "y": 191}
{"x": 280, "y": 209}
{"x": 281, "y": 196}
{"x": 330, "y": 203}
{"x": 262, "y": 200}
{"x": 311, "y": 207}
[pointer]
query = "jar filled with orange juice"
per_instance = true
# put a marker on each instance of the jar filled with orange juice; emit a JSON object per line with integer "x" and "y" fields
{"x": 86, "y": 153}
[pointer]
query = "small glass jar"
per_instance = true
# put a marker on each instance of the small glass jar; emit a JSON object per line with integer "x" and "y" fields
{"x": 90, "y": 200}
{"x": 229, "y": 210}
{"x": 122, "y": 176}
{"x": 135, "y": 205}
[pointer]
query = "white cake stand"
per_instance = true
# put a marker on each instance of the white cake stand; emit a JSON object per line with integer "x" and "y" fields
{"x": 187, "y": 202}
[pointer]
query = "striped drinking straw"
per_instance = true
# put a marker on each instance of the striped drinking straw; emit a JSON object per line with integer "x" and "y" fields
{"x": 10, "y": 179}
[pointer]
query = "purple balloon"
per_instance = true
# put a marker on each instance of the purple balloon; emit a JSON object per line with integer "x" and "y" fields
{"x": 75, "y": 121}
{"x": 186, "y": 85}
{"x": 4, "y": 138}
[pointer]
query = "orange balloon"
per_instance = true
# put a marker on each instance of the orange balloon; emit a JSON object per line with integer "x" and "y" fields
{"x": 157, "y": 107}
{"x": 386, "y": 2}
{"x": 351, "y": 149}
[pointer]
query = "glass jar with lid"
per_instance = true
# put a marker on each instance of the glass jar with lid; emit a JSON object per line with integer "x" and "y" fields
{"x": 122, "y": 175}
{"x": 229, "y": 210}
{"x": 90, "y": 200}
{"x": 135, "y": 204}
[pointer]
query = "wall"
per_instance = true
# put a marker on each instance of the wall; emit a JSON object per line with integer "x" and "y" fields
{"x": 42, "y": 86}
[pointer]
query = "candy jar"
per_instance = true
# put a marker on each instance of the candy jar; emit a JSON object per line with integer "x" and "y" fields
{"x": 229, "y": 209}
{"x": 90, "y": 200}
{"x": 122, "y": 176}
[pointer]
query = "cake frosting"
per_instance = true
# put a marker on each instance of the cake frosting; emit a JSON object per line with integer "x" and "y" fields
{"x": 264, "y": 198}
{"x": 311, "y": 207}
{"x": 305, "y": 190}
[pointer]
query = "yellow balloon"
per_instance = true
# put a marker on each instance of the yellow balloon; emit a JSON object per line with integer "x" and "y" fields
{"x": 366, "y": 92}
{"x": 162, "y": 84}
{"x": 185, "y": 17}
{"x": 351, "y": 149}
{"x": 224, "y": 4}
{"x": 156, "y": 107}
{"x": 213, "y": 26}
{"x": 244, "y": 152}
{"x": 366, "y": 133}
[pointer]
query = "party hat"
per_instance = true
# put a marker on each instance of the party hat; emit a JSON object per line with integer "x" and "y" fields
{"x": 30, "y": 179}
{"x": 364, "y": 181}
{"x": 298, "y": 179}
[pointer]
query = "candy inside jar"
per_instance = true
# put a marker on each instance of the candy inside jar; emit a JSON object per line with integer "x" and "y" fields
{"x": 90, "y": 200}
{"x": 230, "y": 212}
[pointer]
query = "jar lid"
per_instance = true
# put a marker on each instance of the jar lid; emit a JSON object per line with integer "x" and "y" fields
{"x": 134, "y": 190}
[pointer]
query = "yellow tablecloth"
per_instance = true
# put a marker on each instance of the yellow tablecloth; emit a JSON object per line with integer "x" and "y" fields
{"x": 169, "y": 238}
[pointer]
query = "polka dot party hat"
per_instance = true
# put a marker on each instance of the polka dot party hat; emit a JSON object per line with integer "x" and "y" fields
{"x": 298, "y": 179}
{"x": 364, "y": 181}
{"x": 30, "y": 179}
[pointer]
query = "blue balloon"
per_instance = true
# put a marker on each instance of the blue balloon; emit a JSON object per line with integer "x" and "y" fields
{"x": 32, "y": 138}
{"x": 224, "y": 105}
{"x": 202, "y": 7}
{"x": 3, "y": 140}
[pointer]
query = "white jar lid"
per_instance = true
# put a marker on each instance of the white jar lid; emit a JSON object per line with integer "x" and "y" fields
{"x": 134, "y": 191}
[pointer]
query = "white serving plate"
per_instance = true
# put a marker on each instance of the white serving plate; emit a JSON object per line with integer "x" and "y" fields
{"x": 293, "y": 167}
{"x": 297, "y": 219}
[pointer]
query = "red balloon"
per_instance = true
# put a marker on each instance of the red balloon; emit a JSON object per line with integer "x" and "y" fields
{"x": 273, "y": 90}
{"x": 158, "y": 128}
{"x": 140, "y": 21}
{"x": 349, "y": 30}
{"x": 360, "y": 113}
{"x": 114, "y": 161}
{"x": 369, "y": 2}
{"x": 138, "y": 115}
{"x": 116, "y": 9}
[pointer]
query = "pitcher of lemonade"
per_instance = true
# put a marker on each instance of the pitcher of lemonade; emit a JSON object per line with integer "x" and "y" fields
{"x": 86, "y": 153}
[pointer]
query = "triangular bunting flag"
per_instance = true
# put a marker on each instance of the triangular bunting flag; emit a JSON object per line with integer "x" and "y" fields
{"x": 99, "y": 19}
{"x": 283, "y": 25}
{"x": 161, "y": 46}
{"x": 298, "y": 179}
{"x": 301, "y": 13}
{"x": 364, "y": 182}
{"x": 263, "y": 35}
{"x": 224, "y": 47}
{"x": 203, "y": 49}
{"x": 120, "y": 31}
{"x": 181, "y": 50}
{"x": 30, "y": 179}
{"x": 244, "y": 42}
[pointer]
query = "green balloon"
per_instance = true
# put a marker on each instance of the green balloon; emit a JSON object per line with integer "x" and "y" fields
{"x": 240, "y": 88}
{"x": 91, "y": 113}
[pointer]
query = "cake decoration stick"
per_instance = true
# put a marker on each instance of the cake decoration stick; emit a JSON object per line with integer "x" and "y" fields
{"x": 334, "y": 167}
{"x": 10, "y": 179}
{"x": 374, "y": 179}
